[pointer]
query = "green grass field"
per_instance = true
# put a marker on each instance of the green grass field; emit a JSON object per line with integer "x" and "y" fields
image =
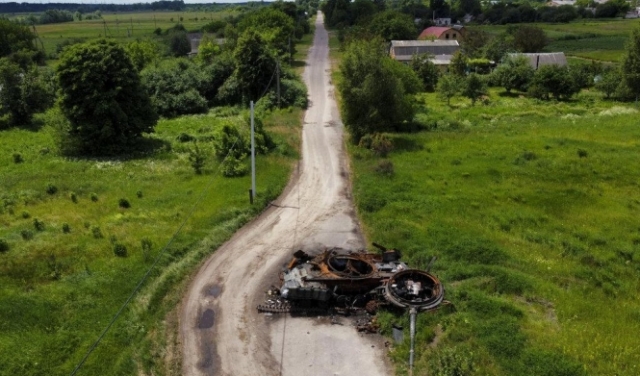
{"x": 60, "y": 280}
{"x": 59, "y": 290}
{"x": 531, "y": 208}
{"x": 586, "y": 39}
{"x": 123, "y": 27}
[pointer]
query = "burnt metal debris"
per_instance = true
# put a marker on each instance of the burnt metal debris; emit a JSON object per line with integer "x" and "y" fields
{"x": 346, "y": 281}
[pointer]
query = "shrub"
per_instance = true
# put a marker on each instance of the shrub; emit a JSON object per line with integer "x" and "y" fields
{"x": 17, "y": 158}
{"x": 120, "y": 250}
{"x": 139, "y": 194}
{"x": 66, "y": 228}
{"x": 381, "y": 144}
{"x": 51, "y": 189}
{"x": 554, "y": 80}
{"x": 233, "y": 167}
{"x": 4, "y": 246}
{"x": 197, "y": 159}
{"x": 582, "y": 153}
{"x": 26, "y": 234}
{"x": 385, "y": 167}
{"x": 184, "y": 137}
{"x": 26, "y": 215}
{"x": 96, "y": 232}
{"x": 124, "y": 203}
{"x": 94, "y": 197}
{"x": 450, "y": 361}
{"x": 73, "y": 197}
{"x": 38, "y": 224}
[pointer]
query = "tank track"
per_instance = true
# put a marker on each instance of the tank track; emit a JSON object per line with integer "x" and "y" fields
{"x": 275, "y": 307}
{"x": 286, "y": 307}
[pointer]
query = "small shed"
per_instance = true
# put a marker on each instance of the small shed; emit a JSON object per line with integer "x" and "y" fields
{"x": 432, "y": 47}
{"x": 440, "y": 51}
{"x": 440, "y": 32}
{"x": 536, "y": 60}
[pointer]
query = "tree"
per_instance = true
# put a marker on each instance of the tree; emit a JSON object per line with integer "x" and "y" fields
{"x": 608, "y": 82}
{"x": 207, "y": 51}
{"x": 631, "y": 63}
{"x": 498, "y": 47}
{"x": 102, "y": 98}
{"x": 174, "y": 89}
{"x": 448, "y": 87}
{"x": 474, "y": 87}
{"x": 23, "y": 92}
{"x": 426, "y": 71}
{"x": 515, "y": 73}
{"x": 376, "y": 90}
{"x": 14, "y": 37}
{"x": 393, "y": 25}
{"x": 529, "y": 39}
{"x": 458, "y": 65}
{"x": 274, "y": 26}
{"x": 474, "y": 42}
{"x": 179, "y": 44}
{"x": 554, "y": 80}
{"x": 255, "y": 65}
{"x": 142, "y": 53}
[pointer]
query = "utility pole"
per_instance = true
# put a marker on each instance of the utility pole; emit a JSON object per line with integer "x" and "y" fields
{"x": 253, "y": 159}
{"x": 278, "y": 73}
{"x": 131, "y": 19}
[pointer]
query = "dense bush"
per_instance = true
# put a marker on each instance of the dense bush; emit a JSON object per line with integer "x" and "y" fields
{"x": 514, "y": 73}
{"x": 553, "y": 80}
{"x": 124, "y": 203}
{"x": 120, "y": 250}
{"x": 376, "y": 90}
{"x": 4, "y": 246}
{"x": 26, "y": 234}
{"x": 292, "y": 93}
{"x": 174, "y": 89}
{"x": 51, "y": 189}
{"x": 102, "y": 98}
{"x": 426, "y": 71}
{"x": 25, "y": 91}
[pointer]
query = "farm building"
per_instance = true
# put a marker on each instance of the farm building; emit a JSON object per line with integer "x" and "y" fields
{"x": 440, "y": 51}
{"x": 537, "y": 60}
{"x": 442, "y": 33}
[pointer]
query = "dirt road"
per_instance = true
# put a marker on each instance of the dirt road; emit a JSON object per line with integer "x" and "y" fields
{"x": 221, "y": 331}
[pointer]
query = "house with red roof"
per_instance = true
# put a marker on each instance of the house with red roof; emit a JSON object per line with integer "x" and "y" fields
{"x": 441, "y": 32}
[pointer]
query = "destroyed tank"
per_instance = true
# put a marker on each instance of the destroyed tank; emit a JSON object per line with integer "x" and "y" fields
{"x": 348, "y": 280}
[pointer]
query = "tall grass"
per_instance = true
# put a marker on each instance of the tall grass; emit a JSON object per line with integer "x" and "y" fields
{"x": 531, "y": 208}
{"x": 59, "y": 289}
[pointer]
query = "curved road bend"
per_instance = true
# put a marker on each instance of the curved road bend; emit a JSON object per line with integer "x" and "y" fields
{"x": 220, "y": 329}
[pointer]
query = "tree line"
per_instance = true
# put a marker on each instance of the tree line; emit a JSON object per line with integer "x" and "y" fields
{"x": 378, "y": 93}
{"x": 15, "y": 7}
{"x": 104, "y": 95}
{"x": 345, "y": 13}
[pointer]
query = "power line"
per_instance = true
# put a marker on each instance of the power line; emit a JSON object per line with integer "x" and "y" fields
{"x": 155, "y": 262}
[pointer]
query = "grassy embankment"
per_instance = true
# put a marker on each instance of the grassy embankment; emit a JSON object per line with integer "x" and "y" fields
{"x": 531, "y": 208}
{"x": 600, "y": 40}
{"x": 58, "y": 290}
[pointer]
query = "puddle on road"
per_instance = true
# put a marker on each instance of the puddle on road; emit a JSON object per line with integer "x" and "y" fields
{"x": 213, "y": 290}
{"x": 206, "y": 320}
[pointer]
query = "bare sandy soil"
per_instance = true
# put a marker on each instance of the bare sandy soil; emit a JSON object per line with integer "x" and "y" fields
{"x": 221, "y": 331}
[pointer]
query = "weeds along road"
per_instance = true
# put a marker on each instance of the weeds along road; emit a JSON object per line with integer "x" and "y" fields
{"x": 220, "y": 328}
